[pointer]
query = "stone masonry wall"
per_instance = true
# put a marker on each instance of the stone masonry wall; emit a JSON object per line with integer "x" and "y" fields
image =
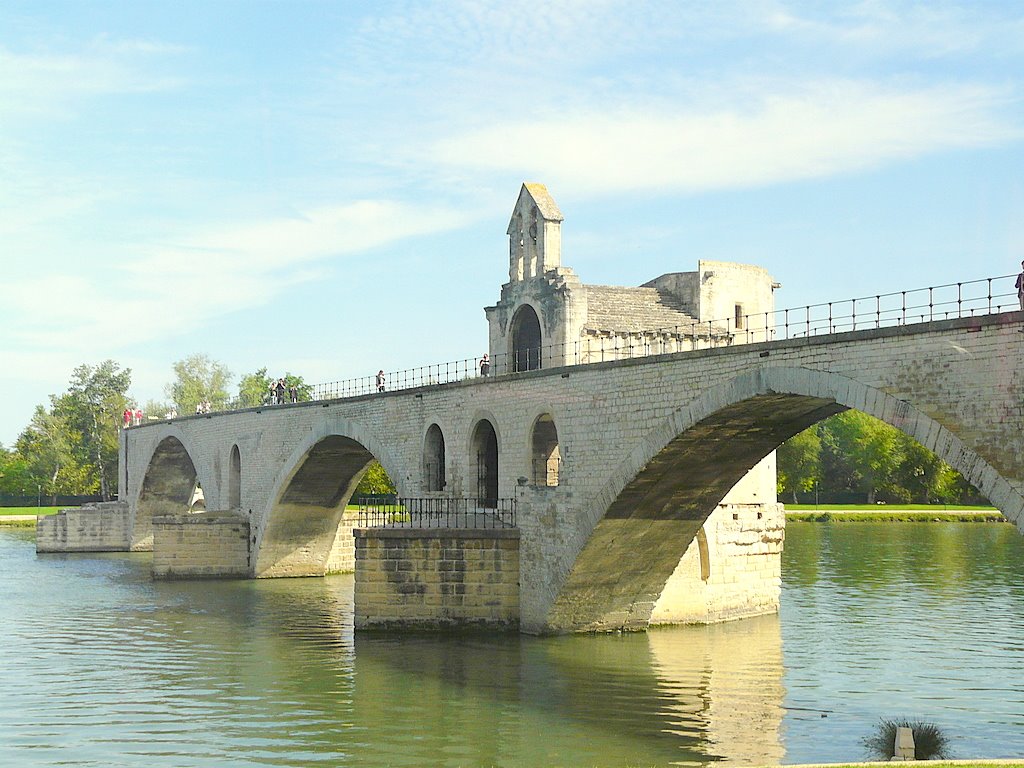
{"x": 104, "y": 527}
{"x": 741, "y": 575}
{"x": 343, "y": 554}
{"x": 201, "y": 545}
{"x": 436, "y": 578}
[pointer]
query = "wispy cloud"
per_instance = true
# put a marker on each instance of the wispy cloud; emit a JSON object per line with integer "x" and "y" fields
{"x": 797, "y": 133}
{"x": 248, "y": 262}
{"x": 930, "y": 30}
{"x": 47, "y": 84}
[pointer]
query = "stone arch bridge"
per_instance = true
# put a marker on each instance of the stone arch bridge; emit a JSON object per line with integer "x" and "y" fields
{"x": 646, "y": 450}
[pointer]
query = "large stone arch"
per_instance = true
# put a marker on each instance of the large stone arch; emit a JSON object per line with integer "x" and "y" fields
{"x": 654, "y": 503}
{"x": 296, "y": 534}
{"x": 167, "y": 487}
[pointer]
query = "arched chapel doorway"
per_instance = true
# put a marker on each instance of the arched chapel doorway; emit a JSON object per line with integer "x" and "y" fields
{"x": 526, "y": 340}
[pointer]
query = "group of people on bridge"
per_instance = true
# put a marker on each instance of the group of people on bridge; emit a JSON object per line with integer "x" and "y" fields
{"x": 281, "y": 392}
{"x": 131, "y": 417}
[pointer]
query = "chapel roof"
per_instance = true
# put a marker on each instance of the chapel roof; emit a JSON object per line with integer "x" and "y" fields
{"x": 622, "y": 308}
{"x": 545, "y": 203}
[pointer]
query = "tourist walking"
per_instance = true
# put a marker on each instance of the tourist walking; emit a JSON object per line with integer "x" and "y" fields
{"x": 485, "y": 365}
{"x": 279, "y": 391}
{"x": 381, "y": 380}
{"x": 126, "y": 418}
{"x": 138, "y": 416}
{"x": 293, "y": 393}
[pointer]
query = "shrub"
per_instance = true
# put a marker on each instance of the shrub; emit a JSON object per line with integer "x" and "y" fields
{"x": 930, "y": 743}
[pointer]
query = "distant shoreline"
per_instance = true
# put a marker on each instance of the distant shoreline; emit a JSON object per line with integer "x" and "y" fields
{"x": 896, "y": 513}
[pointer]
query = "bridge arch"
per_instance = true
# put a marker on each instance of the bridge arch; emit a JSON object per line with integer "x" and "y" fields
{"x": 658, "y": 498}
{"x": 167, "y": 487}
{"x": 296, "y": 535}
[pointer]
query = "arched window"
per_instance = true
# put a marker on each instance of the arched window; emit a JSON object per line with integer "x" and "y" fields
{"x": 485, "y": 454}
{"x": 526, "y": 340}
{"x": 235, "y": 480}
{"x": 546, "y": 459}
{"x": 433, "y": 459}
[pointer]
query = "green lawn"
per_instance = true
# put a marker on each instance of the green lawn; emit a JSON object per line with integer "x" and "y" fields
{"x": 883, "y": 507}
{"x": 908, "y": 516}
{"x": 29, "y": 510}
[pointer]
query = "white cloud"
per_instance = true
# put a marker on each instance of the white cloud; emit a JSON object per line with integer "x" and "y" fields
{"x": 817, "y": 130}
{"x": 248, "y": 262}
{"x": 880, "y": 28}
{"x": 46, "y": 83}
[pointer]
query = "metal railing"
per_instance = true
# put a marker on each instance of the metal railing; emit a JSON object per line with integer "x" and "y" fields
{"x": 942, "y": 302}
{"x": 436, "y": 512}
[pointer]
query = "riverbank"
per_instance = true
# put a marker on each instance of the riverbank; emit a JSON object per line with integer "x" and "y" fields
{"x": 902, "y": 513}
{"x": 24, "y": 517}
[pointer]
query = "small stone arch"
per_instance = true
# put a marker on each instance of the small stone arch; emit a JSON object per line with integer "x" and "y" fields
{"x": 235, "y": 479}
{"x": 296, "y": 535}
{"x": 545, "y": 454}
{"x": 168, "y": 488}
{"x": 484, "y": 458}
{"x": 526, "y": 352}
{"x": 434, "y": 472}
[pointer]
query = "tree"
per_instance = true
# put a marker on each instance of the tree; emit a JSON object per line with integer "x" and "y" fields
{"x": 198, "y": 379}
{"x": 799, "y": 468}
{"x": 47, "y": 446}
{"x": 860, "y": 455}
{"x": 254, "y": 388}
{"x": 91, "y": 409}
{"x": 375, "y": 482}
{"x": 15, "y": 475}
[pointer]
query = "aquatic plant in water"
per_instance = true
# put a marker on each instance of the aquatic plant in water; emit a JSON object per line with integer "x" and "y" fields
{"x": 930, "y": 743}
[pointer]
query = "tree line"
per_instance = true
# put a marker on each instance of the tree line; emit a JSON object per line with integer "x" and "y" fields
{"x": 70, "y": 445}
{"x": 853, "y": 458}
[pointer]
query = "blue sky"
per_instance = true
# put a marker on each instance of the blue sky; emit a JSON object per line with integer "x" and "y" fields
{"x": 323, "y": 188}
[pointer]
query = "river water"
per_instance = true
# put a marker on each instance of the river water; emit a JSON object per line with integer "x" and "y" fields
{"x": 103, "y": 667}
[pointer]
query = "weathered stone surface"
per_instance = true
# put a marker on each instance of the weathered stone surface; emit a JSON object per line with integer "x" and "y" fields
{"x": 102, "y": 527}
{"x": 408, "y": 578}
{"x": 212, "y": 545}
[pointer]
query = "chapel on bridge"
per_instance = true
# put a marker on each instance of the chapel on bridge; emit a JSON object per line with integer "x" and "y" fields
{"x": 546, "y": 317}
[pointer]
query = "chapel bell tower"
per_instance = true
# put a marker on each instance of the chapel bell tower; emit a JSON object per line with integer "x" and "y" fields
{"x": 534, "y": 234}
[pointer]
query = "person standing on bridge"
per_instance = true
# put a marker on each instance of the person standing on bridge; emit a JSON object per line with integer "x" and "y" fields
{"x": 381, "y": 381}
{"x": 485, "y": 365}
{"x": 1020, "y": 286}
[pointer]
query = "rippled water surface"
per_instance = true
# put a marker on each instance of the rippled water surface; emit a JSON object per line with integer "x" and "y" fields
{"x": 103, "y": 667}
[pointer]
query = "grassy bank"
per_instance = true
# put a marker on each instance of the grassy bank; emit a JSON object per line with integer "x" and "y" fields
{"x": 5, "y": 511}
{"x": 891, "y": 513}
